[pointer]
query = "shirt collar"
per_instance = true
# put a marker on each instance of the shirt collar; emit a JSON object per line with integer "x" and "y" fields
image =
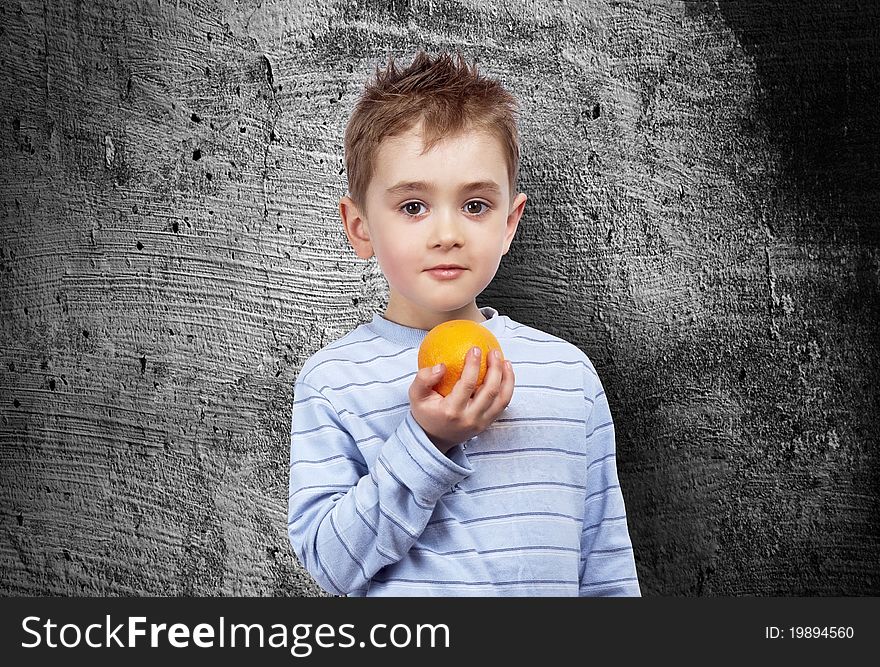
{"x": 412, "y": 337}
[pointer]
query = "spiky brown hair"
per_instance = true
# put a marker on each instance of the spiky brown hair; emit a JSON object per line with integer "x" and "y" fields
{"x": 444, "y": 93}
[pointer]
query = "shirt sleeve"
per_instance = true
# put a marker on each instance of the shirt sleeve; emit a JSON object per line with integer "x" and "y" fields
{"x": 345, "y": 521}
{"x": 607, "y": 563}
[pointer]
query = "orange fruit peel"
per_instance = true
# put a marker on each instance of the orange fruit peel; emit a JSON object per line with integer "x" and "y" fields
{"x": 449, "y": 343}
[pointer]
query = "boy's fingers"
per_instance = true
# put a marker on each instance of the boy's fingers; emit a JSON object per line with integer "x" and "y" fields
{"x": 426, "y": 379}
{"x": 464, "y": 388}
{"x": 484, "y": 400}
{"x": 507, "y": 383}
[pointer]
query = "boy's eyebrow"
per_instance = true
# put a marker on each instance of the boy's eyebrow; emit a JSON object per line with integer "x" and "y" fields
{"x": 405, "y": 187}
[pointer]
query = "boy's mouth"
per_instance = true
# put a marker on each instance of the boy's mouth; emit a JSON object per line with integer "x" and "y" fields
{"x": 445, "y": 266}
{"x": 446, "y": 271}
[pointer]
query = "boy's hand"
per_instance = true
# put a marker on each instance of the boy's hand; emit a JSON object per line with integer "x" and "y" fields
{"x": 464, "y": 413}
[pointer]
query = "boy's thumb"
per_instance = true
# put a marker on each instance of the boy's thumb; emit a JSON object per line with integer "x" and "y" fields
{"x": 430, "y": 375}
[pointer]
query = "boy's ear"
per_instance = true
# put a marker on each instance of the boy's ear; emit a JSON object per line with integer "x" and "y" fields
{"x": 519, "y": 204}
{"x": 355, "y": 228}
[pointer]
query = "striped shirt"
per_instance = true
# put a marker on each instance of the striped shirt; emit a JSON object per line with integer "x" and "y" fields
{"x": 531, "y": 506}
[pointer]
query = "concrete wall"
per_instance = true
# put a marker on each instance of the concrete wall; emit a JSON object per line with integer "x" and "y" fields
{"x": 702, "y": 222}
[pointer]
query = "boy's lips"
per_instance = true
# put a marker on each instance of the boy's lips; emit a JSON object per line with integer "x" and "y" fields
{"x": 445, "y": 272}
{"x": 445, "y": 266}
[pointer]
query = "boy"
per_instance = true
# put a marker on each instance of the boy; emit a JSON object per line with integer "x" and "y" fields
{"x": 395, "y": 489}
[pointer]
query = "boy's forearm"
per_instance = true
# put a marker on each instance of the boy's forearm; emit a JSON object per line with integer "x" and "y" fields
{"x": 350, "y": 538}
{"x": 343, "y": 540}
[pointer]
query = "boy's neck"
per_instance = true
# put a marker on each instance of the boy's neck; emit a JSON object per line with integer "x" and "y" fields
{"x": 428, "y": 320}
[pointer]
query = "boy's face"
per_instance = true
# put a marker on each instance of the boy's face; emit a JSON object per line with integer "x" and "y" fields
{"x": 436, "y": 219}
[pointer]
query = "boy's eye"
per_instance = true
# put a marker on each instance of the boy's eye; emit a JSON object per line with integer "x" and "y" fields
{"x": 411, "y": 207}
{"x": 473, "y": 207}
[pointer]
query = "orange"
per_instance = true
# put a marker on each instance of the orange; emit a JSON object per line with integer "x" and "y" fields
{"x": 449, "y": 343}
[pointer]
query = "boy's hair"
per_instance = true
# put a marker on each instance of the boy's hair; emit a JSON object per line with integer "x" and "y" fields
{"x": 448, "y": 97}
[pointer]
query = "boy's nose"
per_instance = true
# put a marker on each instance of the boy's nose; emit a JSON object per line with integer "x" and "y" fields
{"x": 447, "y": 228}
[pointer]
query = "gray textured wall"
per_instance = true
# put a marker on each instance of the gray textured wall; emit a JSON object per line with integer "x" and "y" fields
{"x": 702, "y": 222}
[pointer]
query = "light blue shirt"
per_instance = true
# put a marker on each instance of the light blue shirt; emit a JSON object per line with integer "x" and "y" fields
{"x": 531, "y": 506}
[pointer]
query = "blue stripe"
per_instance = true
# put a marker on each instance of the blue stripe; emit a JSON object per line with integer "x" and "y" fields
{"x": 536, "y": 362}
{"x": 558, "y": 341}
{"x": 521, "y": 582}
{"x": 503, "y": 516}
{"x": 397, "y": 479}
{"x": 407, "y": 404}
{"x": 433, "y": 451}
{"x": 368, "y": 438}
{"x": 520, "y": 450}
{"x": 342, "y": 542}
{"x": 610, "y": 581}
{"x": 390, "y": 557}
{"x": 534, "y": 419}
{"x": 331, "y": 458}
{"x": 336, "y": 346}
{"x": 421, "y": 467}
{"x": 483, "y": 552}
{"x": 600, "y": 459}
{"x": 592, "y": 371}
{"x": 602, "y": 492}
{"x": 312, "y": 430}
{"x": 547, "y": 386}
{"x": 317, "y": 396}
{"x": 379, "y": 411}
{"x": 396, "y": 523}
{"x": 606, "y": 551}
{"x": 402, "y": 405}
{"x": 338, "y": 487}
{"x": 520, "y": 484}
{"x": 598, "y": 427}
{"x": 357, "y": 510}
{"x": 385, "y": 514}
{"x": 327, "y": 574}
{"x": 607, "y": 518}
{"x": 351, "y": 361}
{"x": 380, "y": 381}
{"x": 538, "y": 420}
{"x": 411, "y": 376}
